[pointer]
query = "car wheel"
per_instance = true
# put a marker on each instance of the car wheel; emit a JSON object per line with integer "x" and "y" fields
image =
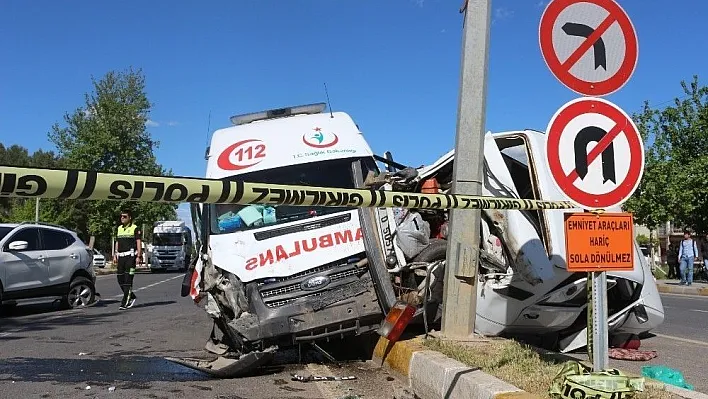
{"x": 81, "y": 293}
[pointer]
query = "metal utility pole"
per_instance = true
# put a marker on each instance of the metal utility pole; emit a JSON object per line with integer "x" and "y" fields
{"x": 460, "y": 296}
{"x": 36, "y": 210}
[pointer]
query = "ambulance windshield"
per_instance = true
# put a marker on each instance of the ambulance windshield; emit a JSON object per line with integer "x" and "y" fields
{"x": 226, "y": 218}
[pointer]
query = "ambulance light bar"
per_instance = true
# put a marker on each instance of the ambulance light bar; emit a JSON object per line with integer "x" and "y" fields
{"x": 278, "y": 113}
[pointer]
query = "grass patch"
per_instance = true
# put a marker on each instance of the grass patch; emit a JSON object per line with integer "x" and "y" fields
{"x": 517, "y": 364}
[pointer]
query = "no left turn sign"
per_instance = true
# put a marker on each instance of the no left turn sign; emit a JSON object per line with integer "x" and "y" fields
{"x": 595, "y": 153}
{"x": 589, "y": 45}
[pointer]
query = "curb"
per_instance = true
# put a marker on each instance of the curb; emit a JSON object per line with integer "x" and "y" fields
{"x": 433, "y": 375}
{"x": 681, "y": 290}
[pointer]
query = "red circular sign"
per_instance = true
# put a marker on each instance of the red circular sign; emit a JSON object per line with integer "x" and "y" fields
{"x": 582, "y": 26}
{"x": 242, "y": 155}
{"x": 625, "y": 185}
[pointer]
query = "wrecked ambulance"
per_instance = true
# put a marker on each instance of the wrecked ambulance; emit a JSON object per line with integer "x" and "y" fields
{"x": 273, "y": 277}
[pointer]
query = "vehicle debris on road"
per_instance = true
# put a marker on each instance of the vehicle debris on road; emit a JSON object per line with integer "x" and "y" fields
{"x": 309, "y": 378}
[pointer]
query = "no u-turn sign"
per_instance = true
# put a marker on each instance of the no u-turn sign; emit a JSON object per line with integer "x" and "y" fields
{"x": 595, "y": 153}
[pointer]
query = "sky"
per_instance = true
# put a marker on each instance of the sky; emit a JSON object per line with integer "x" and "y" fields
{"x": 393, "y": 65}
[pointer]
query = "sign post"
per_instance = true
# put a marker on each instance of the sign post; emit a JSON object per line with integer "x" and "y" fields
{"x": 596, "y": 243}
{"x": 594, "y": 150}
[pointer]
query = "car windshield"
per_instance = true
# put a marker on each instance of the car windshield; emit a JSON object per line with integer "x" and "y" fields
{"x": 167, "y": 239}
{"x": 227, "y": 218}
{"x": 4, "y": 231}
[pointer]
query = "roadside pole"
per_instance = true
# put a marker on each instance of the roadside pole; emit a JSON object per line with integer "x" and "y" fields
{"x": 36, "y": 211}
{"x": 593, "y": 60}
{"x": 460, "y": 288}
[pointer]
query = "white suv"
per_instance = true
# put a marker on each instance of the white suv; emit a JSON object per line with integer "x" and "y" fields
{"x": 39, "y": 260}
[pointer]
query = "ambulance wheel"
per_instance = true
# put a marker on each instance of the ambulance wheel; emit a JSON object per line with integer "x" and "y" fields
{"x": 435, "y": 251}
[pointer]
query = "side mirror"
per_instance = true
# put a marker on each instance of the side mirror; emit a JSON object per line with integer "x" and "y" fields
{"x": 18, "y": 246}
{"x": 640, "y": 312}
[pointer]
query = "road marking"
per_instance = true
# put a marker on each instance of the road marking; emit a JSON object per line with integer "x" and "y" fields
{"x": 690, "y": 310}
{"x": 73, "y": 311}
{"x": 690, "y": 341}
{"x": 151, "y": 285}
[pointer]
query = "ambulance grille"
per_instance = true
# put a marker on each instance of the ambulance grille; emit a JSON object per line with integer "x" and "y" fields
{"x": 277, "y": 292}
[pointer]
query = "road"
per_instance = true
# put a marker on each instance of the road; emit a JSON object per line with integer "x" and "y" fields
{"x": 53, "y": 353}
{"x": 681, "y": 342}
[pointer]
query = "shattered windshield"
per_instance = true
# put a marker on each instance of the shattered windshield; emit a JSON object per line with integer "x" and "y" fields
{"x": 227, "y": 218}
{"x": 167, "y": 239}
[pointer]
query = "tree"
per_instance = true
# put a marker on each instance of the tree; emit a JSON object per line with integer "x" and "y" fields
{"x": 672, "y": 188}
{"x": 108, "y": 134}
{"x": 21, "y": 209}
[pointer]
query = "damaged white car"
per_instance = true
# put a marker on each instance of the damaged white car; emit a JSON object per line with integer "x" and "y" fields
{"x": 285, "y": 276}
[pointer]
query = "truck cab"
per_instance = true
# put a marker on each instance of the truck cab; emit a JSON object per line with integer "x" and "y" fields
{"x": 171, "y": 246}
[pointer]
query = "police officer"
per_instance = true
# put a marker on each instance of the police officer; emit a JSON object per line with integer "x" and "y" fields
{"x": 128, "y": 253}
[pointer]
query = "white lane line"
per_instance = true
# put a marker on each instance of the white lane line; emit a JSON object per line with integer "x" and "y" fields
{"x": 690, "y": 310}
{"x": 73, "y": 311}
{"x": 149, "y": 286}
{"x": 690, "y": 341}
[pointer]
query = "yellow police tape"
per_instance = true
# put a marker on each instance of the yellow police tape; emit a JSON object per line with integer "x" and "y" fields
{"x": 75, "y": 184}
{"x": 576, "y": 381}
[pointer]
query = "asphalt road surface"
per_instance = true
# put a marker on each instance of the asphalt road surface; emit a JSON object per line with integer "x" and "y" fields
{"x": 101, "y": 352}
{"x": 681, "y": 342}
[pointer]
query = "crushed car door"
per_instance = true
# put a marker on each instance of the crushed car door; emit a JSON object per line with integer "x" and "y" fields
{"x": 520, "y": 233}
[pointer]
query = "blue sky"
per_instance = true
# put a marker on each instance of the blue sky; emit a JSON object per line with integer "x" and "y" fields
{"x": 393, "y": 65}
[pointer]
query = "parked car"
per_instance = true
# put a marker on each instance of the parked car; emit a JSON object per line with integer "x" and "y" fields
{"x": 98, "y": 259}
{"x": 39, "y": 260}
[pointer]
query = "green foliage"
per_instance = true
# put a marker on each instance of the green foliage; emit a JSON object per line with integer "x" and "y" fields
{"x": 108, "y": 134}
{"x": 19, "y": 209}
{"x": 642, "y": 239}
{"x": 673, "y": 188}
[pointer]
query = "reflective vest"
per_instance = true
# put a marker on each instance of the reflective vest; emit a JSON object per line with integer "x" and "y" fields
{"x": 126, "y": 238}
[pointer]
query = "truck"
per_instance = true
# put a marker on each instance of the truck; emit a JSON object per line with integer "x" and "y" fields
{"x": 279, "y": 276}
{"x": 171, "y": 246}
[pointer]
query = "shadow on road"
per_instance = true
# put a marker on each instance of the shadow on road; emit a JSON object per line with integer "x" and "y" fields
{"x": 34, "y": 324}
{"x": 30, "y": 310}
{"x": 116, "y": 303}
{"x": 121, "y": 371}
{"x": 151, "y": 304}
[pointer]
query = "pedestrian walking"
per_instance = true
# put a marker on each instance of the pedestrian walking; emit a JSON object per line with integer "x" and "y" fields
{"x": 128, "y": 254}
{"x": 688, "y": 254}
